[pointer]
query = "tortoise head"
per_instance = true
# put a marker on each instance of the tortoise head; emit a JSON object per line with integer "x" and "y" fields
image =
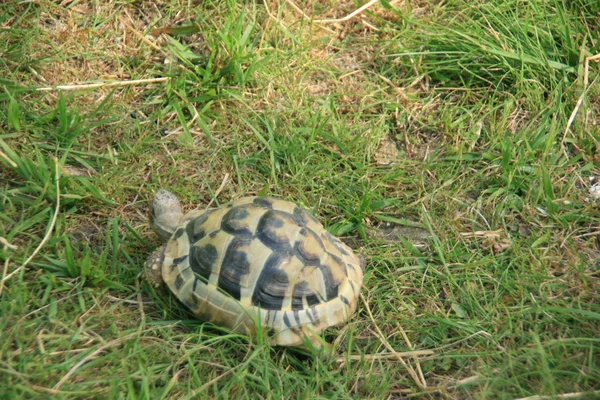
{"x": 165, "y": 214}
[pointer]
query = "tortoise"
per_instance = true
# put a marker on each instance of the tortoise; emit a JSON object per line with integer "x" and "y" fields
{"x": 255, "y": 263}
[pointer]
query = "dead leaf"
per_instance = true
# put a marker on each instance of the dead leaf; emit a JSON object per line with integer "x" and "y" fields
{"x": 387, "y": 152}
{"x": 483, "y": 234}
{"x": 70, "y": 170}
{"x": 501, "y": 246}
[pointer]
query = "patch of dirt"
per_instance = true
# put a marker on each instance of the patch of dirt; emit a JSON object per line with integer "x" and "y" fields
{"x": 87, "y": 232}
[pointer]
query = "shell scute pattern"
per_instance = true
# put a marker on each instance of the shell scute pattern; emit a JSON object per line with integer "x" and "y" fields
{"x": 235, "y": 277}
{"x": 262, "y": 259}
{"x": 236, "y": 221}
{"x": 203, "y": 258}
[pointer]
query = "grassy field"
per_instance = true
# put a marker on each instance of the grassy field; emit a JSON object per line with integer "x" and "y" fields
{"x": 455, "y": 147}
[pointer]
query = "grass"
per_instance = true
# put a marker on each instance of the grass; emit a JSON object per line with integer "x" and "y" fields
{"x": 454, "y": 147}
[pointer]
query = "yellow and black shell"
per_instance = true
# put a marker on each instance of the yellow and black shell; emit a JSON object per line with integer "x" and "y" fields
{"x": 262, "y": 260}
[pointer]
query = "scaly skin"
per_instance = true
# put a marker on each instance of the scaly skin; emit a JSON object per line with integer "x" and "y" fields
{"x": 153, "y": 267}
{"x": 165, "y": 213}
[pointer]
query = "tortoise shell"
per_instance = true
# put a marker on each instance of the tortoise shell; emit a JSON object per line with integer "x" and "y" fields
{"x": 262, "y": 260}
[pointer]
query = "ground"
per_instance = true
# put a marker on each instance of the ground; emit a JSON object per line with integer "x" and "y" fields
{"x": 455, "y": 148}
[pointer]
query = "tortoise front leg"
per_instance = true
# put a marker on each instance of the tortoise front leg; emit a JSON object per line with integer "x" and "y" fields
{"x": 153, "y": 267}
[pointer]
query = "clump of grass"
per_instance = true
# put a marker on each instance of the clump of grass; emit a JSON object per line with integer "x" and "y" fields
{"x": 214, "y": 58}
{"x": 505, "y": 45}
